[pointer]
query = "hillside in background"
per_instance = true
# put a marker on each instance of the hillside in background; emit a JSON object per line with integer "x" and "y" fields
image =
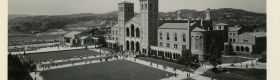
{"x": 27, "y": 24}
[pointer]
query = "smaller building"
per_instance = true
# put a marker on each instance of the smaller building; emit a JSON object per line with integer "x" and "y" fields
{"x": 254, "y": 42}
{"x": 79, "y": 38}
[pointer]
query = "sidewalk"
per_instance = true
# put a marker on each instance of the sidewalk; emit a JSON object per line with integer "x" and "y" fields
{"x": 180, "y": 74}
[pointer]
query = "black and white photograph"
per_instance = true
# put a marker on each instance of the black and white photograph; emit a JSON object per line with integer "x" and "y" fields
{"x": 137, "y": 40}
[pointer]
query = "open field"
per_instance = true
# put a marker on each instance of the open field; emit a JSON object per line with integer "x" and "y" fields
{"x": 232, "y": 59}
{"x": 112, "y": 70}
{"x": 58, "y": 55}
{"x": 246, "y": 55}
{"x": 239, "y": 74}
{"x": 39, "y": 38}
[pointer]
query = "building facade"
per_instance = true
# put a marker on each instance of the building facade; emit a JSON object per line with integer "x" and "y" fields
{"x": 148, "y": 35}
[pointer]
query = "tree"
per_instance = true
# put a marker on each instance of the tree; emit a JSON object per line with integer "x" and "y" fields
{"x": 102, "y": 41}
{"x": 116, "y": 48}
{"x": 215, "y": 54}
{"x": 229, "y": 49}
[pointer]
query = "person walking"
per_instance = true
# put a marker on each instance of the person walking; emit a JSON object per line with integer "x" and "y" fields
{"x": 157, "y": 65}
{"x": 246, "y": 65}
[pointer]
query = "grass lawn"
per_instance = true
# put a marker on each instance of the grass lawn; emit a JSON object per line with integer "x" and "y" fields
{"x": 247, "y": 55}
{"x": 39, "y": 38}
{"x": 239, "y": 74}
{"x": 112, "y": 70}
{"x": 162, "y": 62}
{"x": 232, "y": 59}
{"x": 60, "y": 54}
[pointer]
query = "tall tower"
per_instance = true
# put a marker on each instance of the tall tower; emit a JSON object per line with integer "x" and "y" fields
{"x": 125, "y": 13}
{"x": 148, "y": 23}
{"x": 179, "y": 15}
{"x": 208, "y": 14}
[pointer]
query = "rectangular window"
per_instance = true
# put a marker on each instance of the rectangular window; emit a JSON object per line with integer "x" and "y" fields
{"x": 233, "y": 40}
{"x": 184, "y": 47}
{"x": 233, "y": 35}
{"x": 167, "y": 45}
{"x": 160, "y": 44}
{"x": 230, "y": 40}
{"x": 175, "y": 46}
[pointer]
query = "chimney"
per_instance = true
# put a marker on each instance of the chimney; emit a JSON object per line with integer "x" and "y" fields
{"x": 201, "y": 22}
{"x": 189, "y": 23}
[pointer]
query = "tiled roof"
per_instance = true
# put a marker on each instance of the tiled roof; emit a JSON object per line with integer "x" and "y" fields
{"x": 115, "y": 26}
{"x": 72, "y": 34}
{"x": 258, "y": 34}
{"x": 221, "y": 24}
{"x": 125, "y": 2}
{"x": 234, "y": 28}
{"x": 83, "y": 37}
{"x": 175, "y": 26}
{"x": 198, "y": 29}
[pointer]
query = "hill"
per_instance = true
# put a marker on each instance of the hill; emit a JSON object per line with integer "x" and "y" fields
{"x": 22, "y": 24}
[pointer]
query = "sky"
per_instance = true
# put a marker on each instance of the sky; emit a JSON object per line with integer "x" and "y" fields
{"x": 64, "y": 7}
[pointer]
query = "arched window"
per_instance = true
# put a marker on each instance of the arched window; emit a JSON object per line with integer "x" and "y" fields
{"x": 127, "y": 32}
{"x": 175, "y": 36}
{"x": 196, "y": 39}
{"x": 184, "y": 37}
{"x": 167, "y": 36}
{"x": 142, "y": 7}
{"x": 201, "y": 39}
{"x": 160, "y": 35}
{"x": 137, "y": 32}
{"x": 146, "y": 6}
{"x": 132, "y": 30}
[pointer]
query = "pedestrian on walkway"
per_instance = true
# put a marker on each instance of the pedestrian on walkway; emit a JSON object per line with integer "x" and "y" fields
{"x": 89, "y": 61}
{"x": 175, "y": 74}
{"x": 157, "y": 65}
{"x": 151, "y": 64}
{"x": 73, "y": 62}
{"x": 187, "y": 74}
{"x": 246, "y": 65}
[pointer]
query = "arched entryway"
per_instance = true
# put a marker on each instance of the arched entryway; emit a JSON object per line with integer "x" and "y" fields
{"x": 247, "y": 49}
{"x": 137, "y": 46}
{"x": 242, "y": 48}
{"x": 132, "y": 30}
{"x": 127, "y": 45}
{"x": 127, "y": 32}
{"x": 137, "y": 32}
{"x": 237, "y": 48}
{"x": 132, "y": 45}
